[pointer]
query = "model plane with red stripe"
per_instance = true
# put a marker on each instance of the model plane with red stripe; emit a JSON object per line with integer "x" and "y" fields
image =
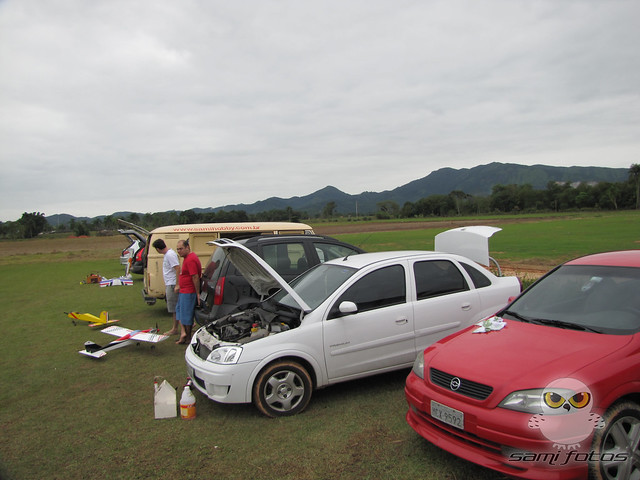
{"x": 126, "y": 337}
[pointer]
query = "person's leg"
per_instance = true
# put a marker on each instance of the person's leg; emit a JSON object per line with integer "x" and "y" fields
{"x": 186, "y": 310}
{"x": 172, "y": 300}
{"x": 188, "y": 325}
{"x": 180, "y": 315}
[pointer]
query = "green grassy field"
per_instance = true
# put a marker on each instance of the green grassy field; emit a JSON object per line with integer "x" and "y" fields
{"x": 65, "y": 416}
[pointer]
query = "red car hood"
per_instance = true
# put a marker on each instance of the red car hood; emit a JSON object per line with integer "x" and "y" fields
{"x": 521, "y": 355}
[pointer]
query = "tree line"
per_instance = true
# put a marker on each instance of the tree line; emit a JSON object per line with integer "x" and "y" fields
{"x": 556, "y": 197}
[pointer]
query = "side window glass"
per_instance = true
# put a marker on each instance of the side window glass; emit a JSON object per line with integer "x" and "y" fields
{"x": 286, "y": 258}
{"x": 329, "y": 251}
{"x": 382, "y": 288}
{"x": 437, "y": 277}
{"x": 477, "y": 277}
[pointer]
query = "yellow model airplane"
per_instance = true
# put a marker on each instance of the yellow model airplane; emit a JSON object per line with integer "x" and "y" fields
{"x": 96, "y": 322}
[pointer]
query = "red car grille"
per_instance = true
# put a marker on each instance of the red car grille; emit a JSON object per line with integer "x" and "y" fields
{"x": 459, "y": 385}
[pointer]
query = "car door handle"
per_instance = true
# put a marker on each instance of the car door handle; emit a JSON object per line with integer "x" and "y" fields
{"x": 466, "y": 306}
{"x": 402, "y": 321}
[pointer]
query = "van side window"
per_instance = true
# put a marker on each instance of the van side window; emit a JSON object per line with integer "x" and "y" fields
{"x": 286, "y": 258}
{"x": 437, "y": 277}
{"x": 477, "y": 277}
{"x": 382, "y": 288}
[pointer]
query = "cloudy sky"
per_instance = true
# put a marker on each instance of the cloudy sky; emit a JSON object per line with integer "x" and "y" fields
{"x": 136, "y": 105}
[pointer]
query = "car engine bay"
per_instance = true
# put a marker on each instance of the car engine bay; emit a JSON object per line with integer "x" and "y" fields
{"x": 246, "y": 326}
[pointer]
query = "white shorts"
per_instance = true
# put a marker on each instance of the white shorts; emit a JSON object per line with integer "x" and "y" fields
{"x": 172, "y": 298}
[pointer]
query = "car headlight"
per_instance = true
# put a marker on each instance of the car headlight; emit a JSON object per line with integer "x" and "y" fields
{"x": 528, "y": 401}
{"x": 225, "y": 355}
{"x": 418, "y": 365}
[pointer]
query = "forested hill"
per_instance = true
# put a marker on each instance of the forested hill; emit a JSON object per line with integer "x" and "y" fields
{"x": 474, "y": 181}
{"x": 477, "y": 181}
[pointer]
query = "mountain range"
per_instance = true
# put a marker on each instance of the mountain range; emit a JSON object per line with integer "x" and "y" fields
{"x": 474, "y": 181}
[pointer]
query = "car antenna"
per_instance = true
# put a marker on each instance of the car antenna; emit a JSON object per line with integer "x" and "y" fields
{"x": 364, "y": 242}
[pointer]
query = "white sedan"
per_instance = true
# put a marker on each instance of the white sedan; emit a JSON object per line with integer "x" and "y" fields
{"x": 344, "y": 319}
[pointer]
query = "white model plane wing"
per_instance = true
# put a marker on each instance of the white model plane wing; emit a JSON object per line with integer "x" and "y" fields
{"x": 149, "y": 337}
{"x": 117, "y": 331}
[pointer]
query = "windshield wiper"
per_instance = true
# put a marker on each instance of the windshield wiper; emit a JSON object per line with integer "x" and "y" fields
{"x": 517, "y": 316}
{"x": 555, "y": 323}
{"x": 568, "y": 325}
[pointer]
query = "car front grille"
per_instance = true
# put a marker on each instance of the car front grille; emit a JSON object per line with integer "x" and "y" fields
{"x": 200, "y": 350}
{"x": 465, "y": 387}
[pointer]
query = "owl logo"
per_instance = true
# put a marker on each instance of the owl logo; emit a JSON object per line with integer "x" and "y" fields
{"x": 566, "y": 417}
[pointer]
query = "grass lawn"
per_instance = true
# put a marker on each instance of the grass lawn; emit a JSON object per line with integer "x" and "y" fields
{"x": 66, "y": 416}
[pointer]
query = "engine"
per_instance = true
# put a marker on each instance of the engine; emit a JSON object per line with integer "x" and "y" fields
{"x": 252, "y": 324}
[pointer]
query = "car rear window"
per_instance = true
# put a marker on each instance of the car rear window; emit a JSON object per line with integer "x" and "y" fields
{"x": 438, "y": 277}
{"x": 212, "y": 270}
{"x": 477, "y": 277}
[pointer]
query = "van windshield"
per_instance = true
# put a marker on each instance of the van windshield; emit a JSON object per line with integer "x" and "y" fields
{"x": 315, "y": 285}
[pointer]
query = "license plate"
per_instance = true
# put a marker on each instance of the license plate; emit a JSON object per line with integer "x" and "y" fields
{"x": 448, "y": 415}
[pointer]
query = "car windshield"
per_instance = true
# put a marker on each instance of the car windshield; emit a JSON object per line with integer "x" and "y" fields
{"x": 585, "y": 297}
{"x": 315, "y": 285}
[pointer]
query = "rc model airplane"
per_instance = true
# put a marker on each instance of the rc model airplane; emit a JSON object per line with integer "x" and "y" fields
{"x": 98, "y": 322}
{"x": 126, "y": 337}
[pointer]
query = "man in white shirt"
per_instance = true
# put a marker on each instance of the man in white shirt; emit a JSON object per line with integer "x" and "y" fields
{"x": 170, "y": 272}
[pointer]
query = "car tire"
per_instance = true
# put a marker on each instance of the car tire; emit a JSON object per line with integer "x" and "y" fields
{"x": 620, "y": 436}
{"x": 282, "y": 389}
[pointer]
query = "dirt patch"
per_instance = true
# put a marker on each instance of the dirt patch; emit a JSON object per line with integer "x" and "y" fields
{"x": 359, "y": 227}
{"x": 100, "y": 246}
{"x": 57, "y": 244}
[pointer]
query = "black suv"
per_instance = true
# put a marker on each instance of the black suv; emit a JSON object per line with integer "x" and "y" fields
{"x": 224, "y": 289}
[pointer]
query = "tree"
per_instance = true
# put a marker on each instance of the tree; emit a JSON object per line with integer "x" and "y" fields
{"x": 187, "y": 217}
{"x": 33, "y": 224}
{"x": 329, "y": 209}
{"x": 408, "y": 210}
{"x": 634, "y": 177}
{"x": 82, "y": 229}
{"x": 388, "y": 209}
{"x": 458, "y": 197}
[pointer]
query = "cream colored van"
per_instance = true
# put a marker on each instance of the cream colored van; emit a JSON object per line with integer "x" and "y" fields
{"x": 199, "y": 234}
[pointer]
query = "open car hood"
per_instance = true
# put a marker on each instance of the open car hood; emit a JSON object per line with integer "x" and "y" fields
{"x": 260, "y": 275}
{"x": 471, "y": 242}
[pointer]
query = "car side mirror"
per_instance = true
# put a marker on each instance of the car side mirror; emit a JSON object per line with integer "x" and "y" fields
{"x": 347, "y": 307}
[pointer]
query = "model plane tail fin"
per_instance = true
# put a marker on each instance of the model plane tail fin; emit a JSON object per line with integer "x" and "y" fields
{"x": 92, "y": 347}
{"x": 92, "y": 350}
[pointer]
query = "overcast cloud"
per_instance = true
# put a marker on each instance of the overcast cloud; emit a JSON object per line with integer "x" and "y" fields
{"x": 126, "y": 105}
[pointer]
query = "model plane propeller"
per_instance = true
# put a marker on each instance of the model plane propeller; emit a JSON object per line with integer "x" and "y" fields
{"x": 96, "y": 322}
{"x": 125, "y": 337}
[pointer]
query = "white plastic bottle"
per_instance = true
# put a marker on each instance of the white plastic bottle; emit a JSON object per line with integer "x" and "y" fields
{"x": 187, "y": 403}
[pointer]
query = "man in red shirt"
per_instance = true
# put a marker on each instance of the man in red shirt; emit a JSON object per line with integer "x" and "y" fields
{"x": 189, "y": 284}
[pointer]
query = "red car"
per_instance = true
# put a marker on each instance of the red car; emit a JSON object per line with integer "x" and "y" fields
{"x": 547, "y": 388}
